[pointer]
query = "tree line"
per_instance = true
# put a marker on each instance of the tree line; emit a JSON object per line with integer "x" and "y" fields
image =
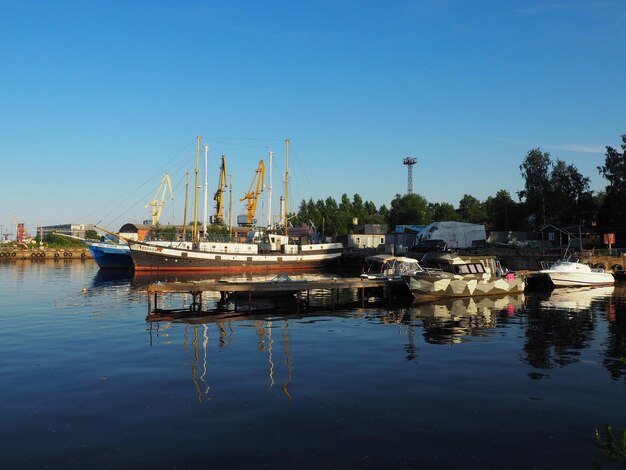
{"x": 554, "y": 193}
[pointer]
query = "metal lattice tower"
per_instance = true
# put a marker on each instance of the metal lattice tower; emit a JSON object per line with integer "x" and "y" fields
{"x": 409, "y": 162}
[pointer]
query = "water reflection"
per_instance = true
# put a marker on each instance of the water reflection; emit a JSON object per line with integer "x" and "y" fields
{"x": 556, "y": 326}
{"x": 110, "y": 277}
{"x": 449, "y": 322}
{"x": 576, "y": 298}
{"x": 272, "y": 342}
{"x": 562, "y": 323}
{"x": 615, "y": 355}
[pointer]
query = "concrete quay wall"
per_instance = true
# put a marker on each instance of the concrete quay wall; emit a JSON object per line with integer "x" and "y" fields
{"x": 19, "y": 253}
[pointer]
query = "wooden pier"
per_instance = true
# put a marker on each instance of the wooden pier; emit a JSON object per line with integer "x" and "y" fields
{"x": 248, "y": 291}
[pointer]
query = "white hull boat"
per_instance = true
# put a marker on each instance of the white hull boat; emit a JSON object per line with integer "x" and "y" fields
{"x": 565, "y": 273}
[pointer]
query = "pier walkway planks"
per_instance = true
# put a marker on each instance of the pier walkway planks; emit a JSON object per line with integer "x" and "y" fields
{"x": 259, "y": 288}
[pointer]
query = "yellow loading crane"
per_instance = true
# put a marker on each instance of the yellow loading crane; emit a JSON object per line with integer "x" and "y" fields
{"x": 156, "y": 203}
{"x": 218, "y": 218}
{"x": 252, "y": 196}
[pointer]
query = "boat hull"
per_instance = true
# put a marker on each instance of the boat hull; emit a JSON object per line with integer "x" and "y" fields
{"x": 111, "y": 256}
{"x": 565, "y": 273}
{"x": 426, "y": 286}
{"x": 166, "y": 259}
{"x": 572, "y": 279}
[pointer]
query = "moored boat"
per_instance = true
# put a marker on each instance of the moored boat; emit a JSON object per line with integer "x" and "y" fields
{"x": 264, "y": 250}
{"x": 448, "y": 275}
{"x": 272, "y": 252}
{"x": 109, "y": 255}
{"x": 386, "y": 266}
{"x": 567, "y": 273}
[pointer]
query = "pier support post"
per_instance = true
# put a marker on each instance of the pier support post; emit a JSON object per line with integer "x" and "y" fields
{"x": 195, "y": 306}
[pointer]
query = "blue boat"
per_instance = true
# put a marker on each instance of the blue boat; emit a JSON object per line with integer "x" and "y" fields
{"x": 110, "y": 255}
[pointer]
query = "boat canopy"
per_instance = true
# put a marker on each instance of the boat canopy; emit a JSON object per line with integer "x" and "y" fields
{"x": 384, "y": 258}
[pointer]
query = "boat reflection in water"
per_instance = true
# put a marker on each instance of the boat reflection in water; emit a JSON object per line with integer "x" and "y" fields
{"x": 110, "y": 277}
{"x": 449, "y": 321}
{"x": 576, "y": 298}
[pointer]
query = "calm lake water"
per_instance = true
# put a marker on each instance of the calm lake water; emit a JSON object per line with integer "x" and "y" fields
{"x": 514, "y": 382}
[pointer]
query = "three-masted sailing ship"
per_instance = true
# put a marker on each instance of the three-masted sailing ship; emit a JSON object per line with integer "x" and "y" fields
{"x": 263, "y": 250}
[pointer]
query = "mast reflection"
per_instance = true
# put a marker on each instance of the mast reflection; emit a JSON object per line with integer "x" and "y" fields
{"x": 200, "y": 343}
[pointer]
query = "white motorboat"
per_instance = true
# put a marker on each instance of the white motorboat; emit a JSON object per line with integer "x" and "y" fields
{"x": 568, "y": 273}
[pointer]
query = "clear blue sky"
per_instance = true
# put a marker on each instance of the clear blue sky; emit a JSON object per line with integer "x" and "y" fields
{"x": 98, "y": 98}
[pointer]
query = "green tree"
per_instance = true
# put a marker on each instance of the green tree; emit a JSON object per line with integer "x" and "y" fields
{"x": 166, "y": 232}
{"x": 217, "y": 229}
{"x": 345, "y": 215}
{"x": 331, "y": 218}
{"x": 612, "y": 213}
{"x": 443, "y": 211}
{"x": 372, "y": 215}
{"x": 503, "y": 213}
{"x": 358, "y": 208}
{"x": 472, "y": 210}
{"x": 535, "y": 170}
{"x": 408, "y": 209}
{"x": 308, "y": 213}
{"x": 370, "y": 208}
{"x": 384, "y": 211}
{"x": 571, "y": 201}
{"x": 91, "y": 235}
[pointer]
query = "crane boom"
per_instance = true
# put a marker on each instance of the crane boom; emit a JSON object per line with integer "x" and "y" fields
{"x": 252, "y": 196}
{"x": 156, "y": 203}
{"x": 219, "y": 194}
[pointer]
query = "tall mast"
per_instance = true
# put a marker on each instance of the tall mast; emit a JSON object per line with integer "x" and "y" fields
{"x": 206, "y": 188}
{"x": 269, "y": 196}
{"x": 230, "y": 207}
{"x": 194, "y": 235}
{"x": 185, "y": 213}
{"x": 287, "y": 188}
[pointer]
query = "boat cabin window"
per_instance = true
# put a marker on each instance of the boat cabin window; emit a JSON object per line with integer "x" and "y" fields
{"x": 474, "y": 268}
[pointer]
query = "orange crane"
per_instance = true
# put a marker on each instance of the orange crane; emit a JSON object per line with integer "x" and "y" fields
{"x": 252, "y": 196}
